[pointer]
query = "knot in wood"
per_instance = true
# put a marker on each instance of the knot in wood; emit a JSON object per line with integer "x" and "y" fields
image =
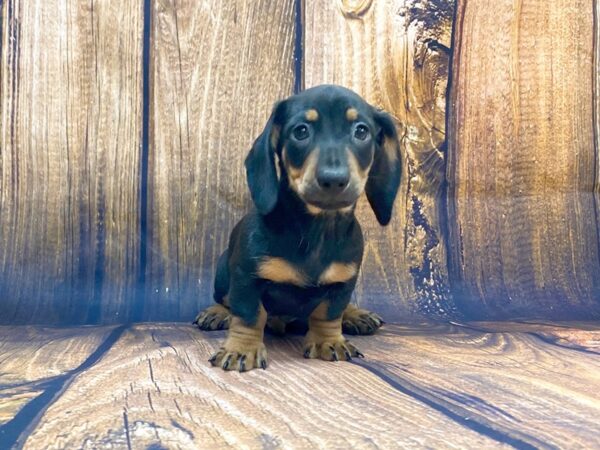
{"x": 354, "y": 8}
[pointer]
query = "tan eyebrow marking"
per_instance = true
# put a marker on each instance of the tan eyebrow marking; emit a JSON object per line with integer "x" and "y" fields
{"x": 281, "y": 271}
{"x": 338, "y": 273}
{"x": 351, "y": 114}
{"x": 311, "y": 115}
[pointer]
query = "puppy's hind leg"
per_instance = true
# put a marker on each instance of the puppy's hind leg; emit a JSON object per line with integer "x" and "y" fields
{"x": 359, "y": 321}
{"x": 217, "y": 317}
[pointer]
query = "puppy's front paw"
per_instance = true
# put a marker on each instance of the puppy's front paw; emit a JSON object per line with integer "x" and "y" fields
{"x": 358, "y": 321}
{"x": 215, "y": 317}
{"x": 242, "y": 359}
{"x": 331, "y": 349}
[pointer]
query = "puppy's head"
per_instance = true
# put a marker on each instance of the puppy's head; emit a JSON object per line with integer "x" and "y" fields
{"x": 331, "y": 147}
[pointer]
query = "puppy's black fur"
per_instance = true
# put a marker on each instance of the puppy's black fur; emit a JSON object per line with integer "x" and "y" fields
{"x": 303, "y": 245}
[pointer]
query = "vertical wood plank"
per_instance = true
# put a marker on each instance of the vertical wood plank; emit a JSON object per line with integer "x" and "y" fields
{"x": 522, "y": 167}
{"x": 395, "y": 53}
{"x": 596, "y": 108}
{"x": 217, "y": 69}
{"x": 70, "y": 104}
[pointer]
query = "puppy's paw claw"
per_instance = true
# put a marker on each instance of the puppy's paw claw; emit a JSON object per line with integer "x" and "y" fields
{"x": 339, "y": 350}
{"x": 242, "y": 360}
{"x": 215, "y": 317}
{"x": 360, "y": 322}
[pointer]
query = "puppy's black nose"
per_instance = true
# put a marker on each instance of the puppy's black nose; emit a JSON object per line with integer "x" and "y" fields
{"x": 333, "y": 180}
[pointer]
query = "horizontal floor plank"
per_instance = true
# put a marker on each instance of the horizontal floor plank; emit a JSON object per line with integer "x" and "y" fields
{"x": 518, "y": 386}
{"x": 31, "y": 357}
{"x": 155, "y": 387}
{"x": 436, "y": 385}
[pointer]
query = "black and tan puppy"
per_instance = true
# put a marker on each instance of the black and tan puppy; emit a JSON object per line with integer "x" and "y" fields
{"x": 298, "y": 254}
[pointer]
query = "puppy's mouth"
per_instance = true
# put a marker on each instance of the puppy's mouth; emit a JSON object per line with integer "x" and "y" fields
{"x": 317, "y": 198}
{"x": 330, "y": 205}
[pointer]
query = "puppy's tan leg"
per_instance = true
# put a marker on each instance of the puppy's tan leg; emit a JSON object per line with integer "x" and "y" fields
{"x": 215, "y": 317}
{"x": 244, "y": 348}
{"x": 360, "y": 321}
{"x": 324, "y": 338}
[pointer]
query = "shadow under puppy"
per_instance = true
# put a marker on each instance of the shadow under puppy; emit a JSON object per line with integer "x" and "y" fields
{"x": 297, "y": 256}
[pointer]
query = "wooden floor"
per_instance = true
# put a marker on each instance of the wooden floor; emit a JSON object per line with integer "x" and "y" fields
{"x": 481, "y": 385}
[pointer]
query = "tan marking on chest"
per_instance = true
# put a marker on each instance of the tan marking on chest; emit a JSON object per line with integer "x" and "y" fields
{"x": 279, "y": 270}
{"x": 314, "y": 210}
{"x": 338, "y": 273}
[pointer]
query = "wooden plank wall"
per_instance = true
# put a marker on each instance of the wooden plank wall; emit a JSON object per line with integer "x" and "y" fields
{"x": 523, "y": 160}
{"x": 124, "y": 125}
{"x": 395, "y": 54}
{"x": 70, "y": 119}
{"x": 216, "y": 72}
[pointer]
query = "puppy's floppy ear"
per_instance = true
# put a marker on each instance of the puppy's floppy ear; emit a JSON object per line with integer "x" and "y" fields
{"x": 384, "y": 176}
{"x": 260, "y": 164}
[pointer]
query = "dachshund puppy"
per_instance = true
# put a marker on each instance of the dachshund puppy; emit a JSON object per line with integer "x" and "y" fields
{"x": 297, "y": 256}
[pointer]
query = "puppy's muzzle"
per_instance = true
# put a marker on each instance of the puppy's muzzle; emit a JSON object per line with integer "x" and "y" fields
{"x": 333, "y": 180}
{"x": 333, "y": 187}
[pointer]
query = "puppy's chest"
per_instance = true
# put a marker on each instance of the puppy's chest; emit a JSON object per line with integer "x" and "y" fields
{"x": 318, "y": 266}
{"x": 307, "y": 272}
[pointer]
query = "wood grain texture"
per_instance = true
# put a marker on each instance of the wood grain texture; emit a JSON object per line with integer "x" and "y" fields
{"x": 33, "y": 357}
{"x": 217, "y": 69}
{"x": 70, "y": 102}
{"x": 596, "y": 106}
{"x": 395, "y": 54}
{"x": 523, "y": 160}
{"x": 483, "y": 385}
{"x": 576, "y": 335}
{"x": 156, "y": 388}
{"x": 524, "y": 390}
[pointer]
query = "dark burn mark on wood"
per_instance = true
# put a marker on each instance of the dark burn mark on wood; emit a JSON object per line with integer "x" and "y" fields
{"x": 455, "y": 412}
{"x": 429, "y": 14}
{"x": 419, "y": 219}
{"x": 182, "y": 428}
{"x": 434, "y": 44}
{"x": 138, "y": 306}
{"x": 126, "y": 426}
{"x": 434, "y": 296}
{"x": 298, "y": 47}
{"x": 15, "y": 431}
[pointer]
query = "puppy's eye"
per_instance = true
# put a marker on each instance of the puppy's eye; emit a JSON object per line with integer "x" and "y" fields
{"x": 301, "y": 132}
{"x": 361, "y": 132}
